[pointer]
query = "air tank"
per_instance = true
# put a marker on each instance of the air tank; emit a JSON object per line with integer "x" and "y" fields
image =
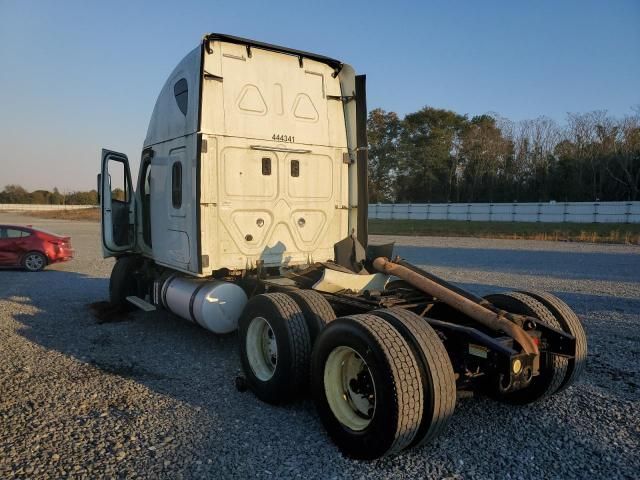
{"x": 212, "y": 304}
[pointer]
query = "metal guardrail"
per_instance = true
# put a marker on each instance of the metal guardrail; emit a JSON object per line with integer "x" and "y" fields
{"x": 18, "y": 207}
{"x": 559, "y": 212}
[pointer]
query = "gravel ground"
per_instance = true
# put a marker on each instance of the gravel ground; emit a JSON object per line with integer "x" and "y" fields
{"x": 151, "y": 396}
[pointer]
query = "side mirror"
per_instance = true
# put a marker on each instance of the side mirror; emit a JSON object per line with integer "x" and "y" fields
{"x": 99, "y": 186}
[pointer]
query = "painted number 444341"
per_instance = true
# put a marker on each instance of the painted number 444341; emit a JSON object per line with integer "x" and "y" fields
{"x": 283, "y": 138}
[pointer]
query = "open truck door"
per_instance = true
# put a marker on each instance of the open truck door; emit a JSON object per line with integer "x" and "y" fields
{"x": 117, "y": 202}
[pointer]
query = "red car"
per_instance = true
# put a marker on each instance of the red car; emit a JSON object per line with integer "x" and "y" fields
{"x": 31, "y": 248}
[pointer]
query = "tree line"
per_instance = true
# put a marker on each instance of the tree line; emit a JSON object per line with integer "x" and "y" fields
{"x": 17, "y": 194}
{"x": 436, "y": 155}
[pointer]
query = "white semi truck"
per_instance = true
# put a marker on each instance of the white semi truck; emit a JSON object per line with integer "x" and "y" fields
{"x": 250, "y": 213}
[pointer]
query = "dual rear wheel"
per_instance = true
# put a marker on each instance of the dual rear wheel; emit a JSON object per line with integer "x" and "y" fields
{"x": 275, "y": 347}
{"x": 382, "y": 382}
{"x": 556, "y": 372}
{"x": 277, "y": 331}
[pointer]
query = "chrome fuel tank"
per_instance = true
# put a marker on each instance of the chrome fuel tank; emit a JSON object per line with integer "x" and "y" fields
{"x": 212, "y": 304}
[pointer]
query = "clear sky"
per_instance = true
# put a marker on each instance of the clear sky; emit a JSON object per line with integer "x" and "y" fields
{"x": 76, "y": 76}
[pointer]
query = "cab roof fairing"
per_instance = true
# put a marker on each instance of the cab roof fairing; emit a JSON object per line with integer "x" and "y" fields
{"x": 167, "y": 121}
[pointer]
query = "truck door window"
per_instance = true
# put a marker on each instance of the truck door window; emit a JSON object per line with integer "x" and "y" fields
{"x": 146, "y": 198}
{"x": 176, "y": 185}
{"x": 118, "y": 180}
{"x": 181, "y": 92}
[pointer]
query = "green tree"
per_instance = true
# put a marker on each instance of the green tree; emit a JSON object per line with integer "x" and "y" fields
{"x": 429, "y": 149}
{"x": 118, "y": 194}
{"x": 624, "y": 165}
{"x": 83, "y": 198}
{"x": 40, "y": 197}
{"x": 485, "y": 154}
{"x": 14, "y": 194}
{"x": 56, "y": 197}
{"x": 383, "y": 132}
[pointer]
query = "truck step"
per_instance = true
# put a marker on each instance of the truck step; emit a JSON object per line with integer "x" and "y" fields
{"x": 141, "y": 304}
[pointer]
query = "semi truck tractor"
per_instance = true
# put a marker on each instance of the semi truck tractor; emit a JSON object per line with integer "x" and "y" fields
{"x": 249, "y": 214}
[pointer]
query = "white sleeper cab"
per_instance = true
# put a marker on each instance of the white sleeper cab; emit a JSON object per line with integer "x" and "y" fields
{"x": 249, "y": 213}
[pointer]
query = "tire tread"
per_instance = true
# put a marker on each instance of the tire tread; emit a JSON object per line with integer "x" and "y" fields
{"x": 300, "y": 344}
{"x": 559, "y": 364}
{"x": 120, "y": 274}
{"x": 405, "y": 379}
{"x": 315, "y": 308}
{"x": 438, "y": 367}
{"x": 570, "y": 323}
{"x": 280, "y": 308}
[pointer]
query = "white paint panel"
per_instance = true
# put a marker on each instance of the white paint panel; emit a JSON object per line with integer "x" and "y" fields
{"x": 314, "y": 171}
{"x": 333, "y": 281}
{"x": 268, "y": 94}
{"x": 174, "y": 232}
{"x": 274, "y": 218}
{"x": 268, "y": 105}
{"x": 241, "y": 171}
{"x": 178, "y": 248}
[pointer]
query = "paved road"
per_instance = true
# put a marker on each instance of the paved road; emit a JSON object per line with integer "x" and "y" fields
{"x": 153, "y": 396}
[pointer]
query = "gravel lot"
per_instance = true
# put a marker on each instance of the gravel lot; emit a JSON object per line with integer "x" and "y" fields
{"x": 153, "y": 396}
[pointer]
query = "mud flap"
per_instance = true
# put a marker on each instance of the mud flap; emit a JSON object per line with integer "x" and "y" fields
{"x": 349, "y": 253}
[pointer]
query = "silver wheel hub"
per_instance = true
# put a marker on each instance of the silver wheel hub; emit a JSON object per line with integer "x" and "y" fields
{"x": 349, "y": 388}
{"x": 34, "y": 262}
{"x": 261, "y": 348}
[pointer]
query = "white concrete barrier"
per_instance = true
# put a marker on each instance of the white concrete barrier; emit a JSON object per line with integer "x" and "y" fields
{"x": 16, "y": 207}
{"x": 574, "y": 212}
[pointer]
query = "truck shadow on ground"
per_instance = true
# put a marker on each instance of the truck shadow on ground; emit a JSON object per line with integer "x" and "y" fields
{"x": 177, "y": 359}
{"x": 191, "y": 367}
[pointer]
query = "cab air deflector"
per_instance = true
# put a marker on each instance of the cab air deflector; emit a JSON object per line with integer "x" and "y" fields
{"x": 333, "y": 63}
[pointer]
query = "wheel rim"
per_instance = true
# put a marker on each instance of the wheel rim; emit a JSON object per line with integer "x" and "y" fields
{"x": 34, "y": 262}
{"x": 262, "y": 348}
{"x": 349, "y": 387}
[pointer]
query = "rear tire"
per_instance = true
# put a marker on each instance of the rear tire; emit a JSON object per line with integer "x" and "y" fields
{"x": 366, "y": 386}
{"x": 34, "y": 261}
{"x": 275, "y": 347}
{"x": 436, "y": 372}
{"x": 553, "y": 369}
{"x": 570, "y": 323}
{"x": 123, "y": 283}
{"x": 316, "y": 309}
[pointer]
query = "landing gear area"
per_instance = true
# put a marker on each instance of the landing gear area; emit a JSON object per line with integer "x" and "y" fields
{"x": 381, "y": 354}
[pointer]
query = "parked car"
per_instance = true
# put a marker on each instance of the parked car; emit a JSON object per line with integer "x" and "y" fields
{"x": 31, "y": 248}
